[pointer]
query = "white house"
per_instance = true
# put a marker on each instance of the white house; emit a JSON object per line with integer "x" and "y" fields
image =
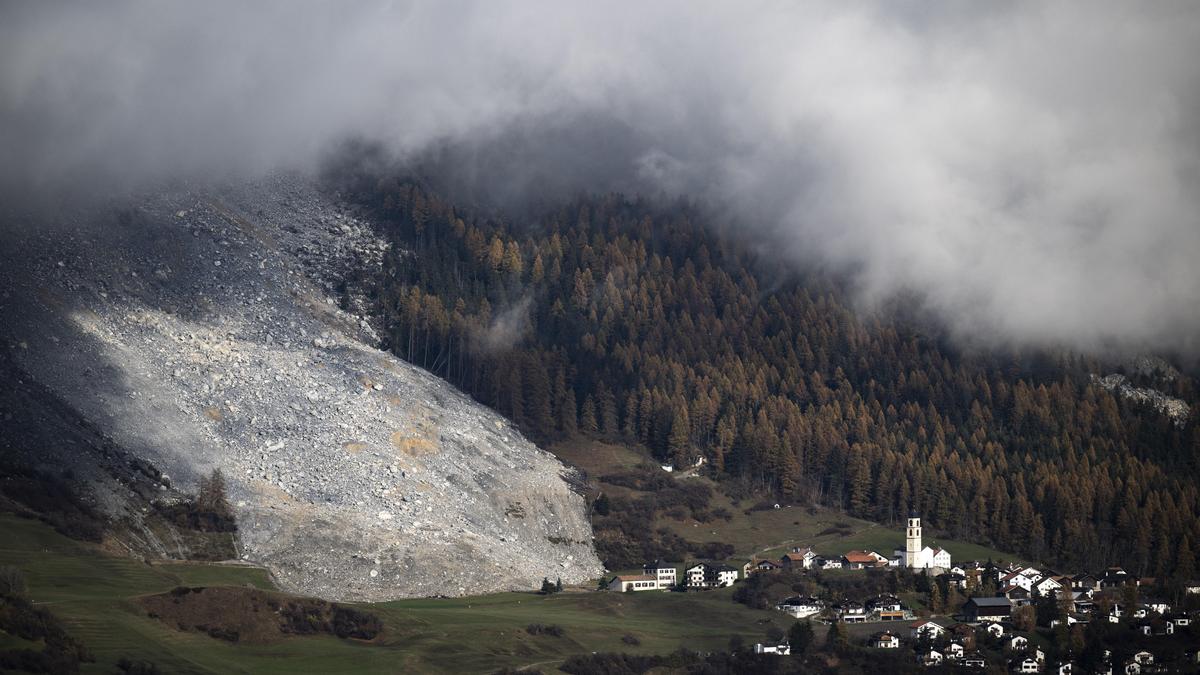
{"x": 1017, "y": 643}
{"x": 828, "y": 563}
{"x": 633, "y": 582}
{"x": 799, "y": 557}
{"x": 1026, "y": 665}
{"x": 1046, "y": 586}
{"x": 708, "y": 575}
{"x": 662, "y": 571}
{"x": 994, "y": 629}
{"x": 801, "y": 607}
{"x": 885, "y": 641}
{"x": 954, "y": 651}
{"x": 850, "y": 612}
{"x": 931, "y": 658}
{"x": 926, "y": 629}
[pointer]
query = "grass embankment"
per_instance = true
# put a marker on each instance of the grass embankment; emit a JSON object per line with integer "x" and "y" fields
{"x": 96, "y": 595}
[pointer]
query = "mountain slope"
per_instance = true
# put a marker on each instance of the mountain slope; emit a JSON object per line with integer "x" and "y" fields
{"x": 199, "y": 330}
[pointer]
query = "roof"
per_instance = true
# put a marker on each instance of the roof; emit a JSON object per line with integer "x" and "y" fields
{"x": 859, "y": 557}
{"x": 796, "y": 556}
{"x": 635, "y": 577}
{"x": 884, "y": 636}
{"x": 991, "y": 602}
{"x": 925, "y": 622}
{"x": 658, "y": 565}
{"x": 801, "y": 600}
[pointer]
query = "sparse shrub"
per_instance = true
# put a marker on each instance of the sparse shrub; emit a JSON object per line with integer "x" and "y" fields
{"x": 552, "y": 630}
{"x": 630, "y": 639}
{"x": 12, "y": 581}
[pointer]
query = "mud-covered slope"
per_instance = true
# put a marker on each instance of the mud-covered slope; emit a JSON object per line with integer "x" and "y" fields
{"x": 204, "y": 329}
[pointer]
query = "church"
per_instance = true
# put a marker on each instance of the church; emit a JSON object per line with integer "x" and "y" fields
{"x": 913, "y": 556}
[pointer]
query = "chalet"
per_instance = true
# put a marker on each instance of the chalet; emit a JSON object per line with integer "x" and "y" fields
{"x": 1016, "y": 580}
{"x": 1085, "y": 582}
{"x": 931, "y": 658}
{"x": 1017, "y": 643}
{"x": 662, "y": 571}
{"x": 954, "y": 651}
{"x": 857, "y": 560}
{"x": 1081, "y": 601}
{"x": 1131, "y": 667}
{"x": 758, "y": 566}
{"x": 887, "y": 607}
{"x": 802, "y": 558}
{"x": 850, "y": 612}
{"x": 1046, "y": 586}
{"x": 1115, "y": 577}
{"x": 828, "y": 563}
{"x": 987, "y": 609}
{"x": 801, "y": 607}
{"x": 994, "y": 629}
{"x": 1025, "y": 665}
{"x": 709, "y": 575}
{"x": 926, "y": 629}
{"x": 633, "y": 582}
{"x": 885, "y": 641}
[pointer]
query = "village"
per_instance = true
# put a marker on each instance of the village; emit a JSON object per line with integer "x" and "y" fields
{"x": 1021, "y": 618}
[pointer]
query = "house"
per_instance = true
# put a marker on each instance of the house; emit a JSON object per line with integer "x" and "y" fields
{"x": 857, "y": 560}
{"x": 662, "y": 571}
{"x": 1065, "y": 668}
{"x": 850, "y": 612}
{"x": 1046, "y": 586}
{"x": 801, "y": 607}
{"x": 1024, "y": 665}
{"x": 1017, "y": 643}
{"x": 887, "y": 607}
{"x": 1085, "y": 582}
{"x": 987, "y": 609}
{"x": 756, "y": 566}
{"x": 1180, "y": 620}
{"x": 783, "y": 649}
{"x": 954, "y": 580}
{"x": 1016, "y": 580}
{"x": 926, "y": 629}
{"x": 1131, "y": 667}
{"x": 994, "y": 629}
{"x": 709, "y": 575}
{"x": 828, "y": 563}
{"x": 1144, "y": 658}
{"x": 802, "y": 558}
{"x": 885, "y": 641}
{"x": 1115, "y": 577}
{"x": 1081, "y": 601}
{"x": 1157, "y": 606}
{"x": 1070, "y": 620}
{"x": 931, "y": 658}
{"x": 633, "y": 582}
{"x": 1017, "y": 595}
{"x": 954, "y": 651}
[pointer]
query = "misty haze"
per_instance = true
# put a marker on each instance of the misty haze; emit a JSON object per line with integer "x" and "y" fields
{"x": 535, "y": 337}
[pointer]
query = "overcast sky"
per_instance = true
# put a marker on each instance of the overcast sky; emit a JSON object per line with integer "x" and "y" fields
{"x": 1030, "y": 170}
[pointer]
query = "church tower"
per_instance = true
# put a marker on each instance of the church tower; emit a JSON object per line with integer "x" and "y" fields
{"x": 912, "y": 548}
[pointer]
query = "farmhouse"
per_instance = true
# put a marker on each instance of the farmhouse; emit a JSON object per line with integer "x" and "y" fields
{"x": 633, "y": 582}
{"x": 755, "y": 566}
{"x": 802, "y": 558}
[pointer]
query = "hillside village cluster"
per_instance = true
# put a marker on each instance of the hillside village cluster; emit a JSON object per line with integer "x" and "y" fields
{"x": 1083, "y": 597}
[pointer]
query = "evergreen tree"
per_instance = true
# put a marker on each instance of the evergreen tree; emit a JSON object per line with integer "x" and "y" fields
{"x": 587, "y": 417}
{"x": 800, "y": 637}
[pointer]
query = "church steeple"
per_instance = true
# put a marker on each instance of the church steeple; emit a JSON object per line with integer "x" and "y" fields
{"x": 912, "y": 548}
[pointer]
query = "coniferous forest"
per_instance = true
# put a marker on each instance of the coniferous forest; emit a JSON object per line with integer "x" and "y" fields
{"x": 635, "y": 322}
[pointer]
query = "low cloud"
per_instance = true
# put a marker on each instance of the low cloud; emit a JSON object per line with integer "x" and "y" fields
{"x": 1029, "y": 171}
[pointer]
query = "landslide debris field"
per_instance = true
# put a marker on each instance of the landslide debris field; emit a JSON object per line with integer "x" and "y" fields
{"x": 200, "y": 329}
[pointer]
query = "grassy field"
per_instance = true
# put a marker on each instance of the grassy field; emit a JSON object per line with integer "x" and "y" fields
{"x": 94, "y": 594}
{"x": 767, "y": 533}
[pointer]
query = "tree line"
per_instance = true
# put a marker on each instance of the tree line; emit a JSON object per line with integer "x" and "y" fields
{"x": 615, "y": 318}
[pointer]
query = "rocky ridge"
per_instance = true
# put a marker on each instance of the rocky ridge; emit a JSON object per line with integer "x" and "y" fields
{"x": 210, "y": 328}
